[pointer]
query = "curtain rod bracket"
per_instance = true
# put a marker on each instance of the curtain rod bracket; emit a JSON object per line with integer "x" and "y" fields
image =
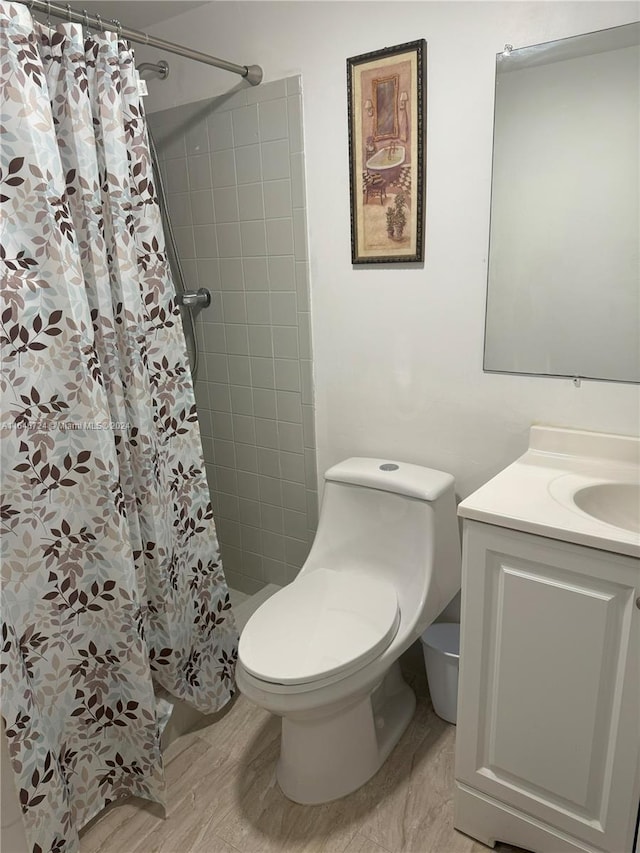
{"x": 253, "y": 75}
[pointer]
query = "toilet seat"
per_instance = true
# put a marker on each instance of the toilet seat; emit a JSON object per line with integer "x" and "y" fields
{"x": 324, "y": 624}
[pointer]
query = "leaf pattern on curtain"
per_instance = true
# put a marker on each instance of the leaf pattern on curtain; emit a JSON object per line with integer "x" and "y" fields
{"x": 110, "y": 562}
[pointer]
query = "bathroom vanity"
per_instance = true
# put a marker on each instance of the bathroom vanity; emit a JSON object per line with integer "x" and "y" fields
{"x": 548, "y": 738}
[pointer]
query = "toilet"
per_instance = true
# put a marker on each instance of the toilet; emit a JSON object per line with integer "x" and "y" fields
{"x": 323, "y": 652}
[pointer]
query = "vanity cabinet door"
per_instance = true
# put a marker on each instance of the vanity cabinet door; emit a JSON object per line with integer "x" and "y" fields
{"x": 549, "y": 708}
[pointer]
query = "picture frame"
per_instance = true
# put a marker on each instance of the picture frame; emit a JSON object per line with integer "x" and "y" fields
{"x": 387, "y": 119}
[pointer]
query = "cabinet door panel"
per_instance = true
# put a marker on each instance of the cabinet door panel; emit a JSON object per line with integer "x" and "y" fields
{"x": 551, "y": 695}
{"x": 547, "y": 676}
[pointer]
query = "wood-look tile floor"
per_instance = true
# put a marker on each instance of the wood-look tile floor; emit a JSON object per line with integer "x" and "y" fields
{"x": 222, "y": 797}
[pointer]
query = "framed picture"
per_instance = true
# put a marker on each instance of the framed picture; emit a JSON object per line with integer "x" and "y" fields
{"x": 387, "y": 115}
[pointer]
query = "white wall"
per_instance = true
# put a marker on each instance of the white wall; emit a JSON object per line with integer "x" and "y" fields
{"x": 398, "y": 352}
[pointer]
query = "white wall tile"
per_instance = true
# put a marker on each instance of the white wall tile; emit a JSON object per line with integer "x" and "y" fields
{"x": 184, "y": 241}
{"x": 247, "y": 457}
{"x": 300, "y": 234}
{"x": 285, "y": 342}
{"x": 228, "y": 236}
{"x": 239, "y": 370}
{"x": 273, "y": 120}
{"x": 253, "y": 238}
{"x": 208, "y": 275}
{"x": 260, "y": 340}
{"x": 177, "y": 176}
{"x": 224, "y": 453}
{"x": 280, "y": 240}
{"x": 287, "y": 374}
{"x": 215, "y": 338}
{"x": 245, "y": 125}
{"x": 304, "y": 334}
{"x": 217, "y": 366}
{"x": 250, "y": 201}
{"x": 237, "y": 340}
{"x": 220, "y": 131}
{"x": 275, "y": 160}
{"x": 231, "y": 274}
{"x": 266, "y": 433}
{"x": 197, "y": 138}
{"x": 256, "y": 276}
{"x": 206, "y": 244}
{"x": 267, "y": 91}
{"x": 220, "y": 397}
{"x": 199, "y": 169}
{"x": 241, "y": 400}
{"x": 277, "y": 198}
{"x": 294, "y": 524}
{"x": 290, "y": 437}
{"x": 251, "y": 538}
{"x": 224, "y": 169}
{"x": 244, "y": 427}
{"x": 264, "y": 403}
{"x": 294, "y": 110}
{"x": 292, "y": 466}
{"x": 271, "y": 518}
{"x": 298, "y": 195}
{"x": 249, "y": 512}
{"x": 239, "y": 238}
{"x": 258, "y": 308}
{"x": 248, "y": 164}
{"x": 201, "y": 207}
{"x": 308, "y": 427}
{"x": 268, "y": 462}
{"x": 289, "y": 406}
{"x": 179, "y": 208}
{"x": 273, "y": 545}
{"x": 283, "y": 309}
{"x": 225, "y": 202}
{"x": 248, "y": 485}
{"x": 294, "y": 496}
{"x": 282, "y": 273}
{"x": 270, "y": 490}
{"x": 262, "y": 372}
{"x": 306, "y": 375}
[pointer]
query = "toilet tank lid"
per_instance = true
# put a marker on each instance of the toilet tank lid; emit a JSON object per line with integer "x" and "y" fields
{"x": 403, "y": 478}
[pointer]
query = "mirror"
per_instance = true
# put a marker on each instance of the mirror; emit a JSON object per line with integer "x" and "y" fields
{"x": 386, "y": 107}
{"x": 563, "y": 295}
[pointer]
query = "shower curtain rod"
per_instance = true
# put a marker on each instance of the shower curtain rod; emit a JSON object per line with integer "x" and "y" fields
{"x": 251, "y": 73}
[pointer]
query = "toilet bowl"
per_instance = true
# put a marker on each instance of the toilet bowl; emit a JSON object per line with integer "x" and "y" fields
{"x": 323, "y": 652}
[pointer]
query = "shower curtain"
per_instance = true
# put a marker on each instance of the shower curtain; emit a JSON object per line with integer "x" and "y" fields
{"x": 111, "y": 577}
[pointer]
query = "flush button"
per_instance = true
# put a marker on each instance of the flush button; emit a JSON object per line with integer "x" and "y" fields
{"x": 389, "y": 466}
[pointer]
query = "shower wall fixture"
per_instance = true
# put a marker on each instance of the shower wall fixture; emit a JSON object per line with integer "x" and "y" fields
{"x": 233, "y": 168}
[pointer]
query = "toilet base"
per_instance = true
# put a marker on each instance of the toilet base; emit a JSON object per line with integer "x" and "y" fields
{"x": 328, "y": 753}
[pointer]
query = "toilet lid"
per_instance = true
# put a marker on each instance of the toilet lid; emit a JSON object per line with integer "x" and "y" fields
{"x": 326, "y": 622}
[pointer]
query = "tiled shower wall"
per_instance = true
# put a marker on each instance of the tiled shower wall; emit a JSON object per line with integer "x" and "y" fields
{"x": 234, "y": 174}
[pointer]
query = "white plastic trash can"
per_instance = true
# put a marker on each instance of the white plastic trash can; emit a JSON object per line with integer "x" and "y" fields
{"x": 441, "y": 647}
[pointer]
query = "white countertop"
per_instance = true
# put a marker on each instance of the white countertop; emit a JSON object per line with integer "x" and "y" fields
{"x": 534, "y": 494}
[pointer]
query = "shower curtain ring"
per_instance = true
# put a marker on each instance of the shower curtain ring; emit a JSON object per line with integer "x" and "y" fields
{"x": 100, "y": 24}
{"x": 86, "y": 24}
{"x": 49, "y": 13}
{"x": 69, "y": 12}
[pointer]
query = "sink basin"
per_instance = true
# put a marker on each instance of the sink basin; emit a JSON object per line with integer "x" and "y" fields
{"x": 573, "y": 485}
{"x": 613, "y": 503}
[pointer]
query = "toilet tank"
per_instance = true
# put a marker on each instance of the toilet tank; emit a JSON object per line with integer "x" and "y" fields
{"x": 396, "y": 521}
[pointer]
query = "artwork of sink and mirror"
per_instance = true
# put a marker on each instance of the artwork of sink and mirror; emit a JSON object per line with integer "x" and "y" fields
{"x": 386, "y": 107}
